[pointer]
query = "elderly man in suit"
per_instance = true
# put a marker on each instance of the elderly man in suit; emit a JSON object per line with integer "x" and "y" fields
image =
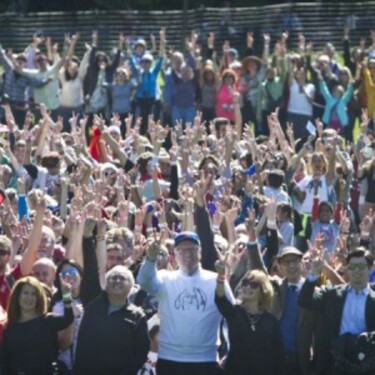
{"x": 347, "y": 308}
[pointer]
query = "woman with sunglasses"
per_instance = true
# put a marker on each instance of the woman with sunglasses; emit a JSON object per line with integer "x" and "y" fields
{"x": 254, "y": 334}
{"x": 71, "y": 273}
{"x": 30, "y": 336}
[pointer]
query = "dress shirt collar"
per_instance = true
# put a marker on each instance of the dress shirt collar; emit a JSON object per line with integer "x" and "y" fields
{"x": 364, "y": 292}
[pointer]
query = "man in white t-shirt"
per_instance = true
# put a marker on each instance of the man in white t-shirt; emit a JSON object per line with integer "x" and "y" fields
{"x": 189, "y": 319}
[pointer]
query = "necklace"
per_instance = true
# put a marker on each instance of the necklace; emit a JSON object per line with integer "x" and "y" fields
{"x": 253, "y": 319}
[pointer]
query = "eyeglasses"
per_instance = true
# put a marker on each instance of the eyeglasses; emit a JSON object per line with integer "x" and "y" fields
{"x": 4, "y": 252}
{"x": 358, "y": 266}
{"x": 291, "y": 262}
{"x": 120, "y": 278}
{"x": 250, "y": 283}
{"x": 70, "y": 272}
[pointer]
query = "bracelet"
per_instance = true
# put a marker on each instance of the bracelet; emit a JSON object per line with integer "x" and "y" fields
{"x": 215, "y": 228}
{"x": 67, "y": 296}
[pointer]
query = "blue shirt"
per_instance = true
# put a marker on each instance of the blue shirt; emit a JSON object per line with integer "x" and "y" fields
{"x": 146, "y": 80}
{"x": 120, "y": 97}
{"x": 289, "y": 319}
{"x": 353, "y": 316}
{"x": 15, "y": 85}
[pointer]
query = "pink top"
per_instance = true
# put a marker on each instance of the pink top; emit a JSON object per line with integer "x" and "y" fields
{"x": 224, "y": 103}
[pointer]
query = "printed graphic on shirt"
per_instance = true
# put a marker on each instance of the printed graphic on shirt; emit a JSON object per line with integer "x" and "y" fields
{"x": 189, "y": 300}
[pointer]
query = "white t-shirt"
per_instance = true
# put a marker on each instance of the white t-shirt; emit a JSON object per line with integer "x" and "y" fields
{"x": 189, "y": 318}
{"x": 298, "y": 102}
{"x": 71, "y": 94}
{"x": 307, "y": 185}
{"x": 278, "y": 194}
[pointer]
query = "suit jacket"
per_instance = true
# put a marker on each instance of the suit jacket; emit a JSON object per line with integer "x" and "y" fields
{"x": 306, "y": 319}
{"x": 329, "y": 301}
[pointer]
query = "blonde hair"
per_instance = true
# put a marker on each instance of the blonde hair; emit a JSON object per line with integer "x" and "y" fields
{"x": 266, "y": 289}
{"x": 5, "y": 243}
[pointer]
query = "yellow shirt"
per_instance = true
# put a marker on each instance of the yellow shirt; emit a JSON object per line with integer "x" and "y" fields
{"x": 370, "y": 92}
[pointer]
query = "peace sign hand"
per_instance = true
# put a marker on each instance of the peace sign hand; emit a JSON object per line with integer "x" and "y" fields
{"x": 317, "y": 254}
{"x": 221, "y": 262}
{"x": 153, "y": 250}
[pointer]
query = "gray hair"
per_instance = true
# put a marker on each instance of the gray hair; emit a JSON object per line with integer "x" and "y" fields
{"x": 120, "y": 270}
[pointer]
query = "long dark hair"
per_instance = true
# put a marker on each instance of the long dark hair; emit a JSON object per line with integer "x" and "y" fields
{"x": 68, "y": 76}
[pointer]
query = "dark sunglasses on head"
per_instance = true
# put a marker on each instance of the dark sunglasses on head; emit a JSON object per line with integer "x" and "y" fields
{"x": 250, "y": 283}
{"x": 4, "y": 252}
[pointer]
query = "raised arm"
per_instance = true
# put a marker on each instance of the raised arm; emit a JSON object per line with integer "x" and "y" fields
{"x": 91, "y": 285}
{"x": 312, "y": 297}
{"x": 30, "y": 254}
{"x": 203, "y": 224}
{"x": 147, "y": 275}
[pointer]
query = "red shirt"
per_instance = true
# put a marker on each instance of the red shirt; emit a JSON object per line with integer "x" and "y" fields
{"x": 4, "y": 287}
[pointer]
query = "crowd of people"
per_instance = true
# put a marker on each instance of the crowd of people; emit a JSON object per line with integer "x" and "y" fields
{"x": 205, "y": 211}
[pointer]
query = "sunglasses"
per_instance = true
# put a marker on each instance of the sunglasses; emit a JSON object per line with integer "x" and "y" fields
{"x": 4, "y": 252}
{"x": 70, "y": 272}
{"x": 250, "y": 283}
{"x": 358, "y": 266}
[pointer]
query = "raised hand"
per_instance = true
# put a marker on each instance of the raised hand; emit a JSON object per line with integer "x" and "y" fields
{"x": 367, "y": 223}
{"x": 221, "y": 263}
{"x": 201, "y": 187}
{"x": 270, "y": 209}
{"x": 153, "y": 250}
{"x": 249, "y": 39}
{"x": 250, "y": 221}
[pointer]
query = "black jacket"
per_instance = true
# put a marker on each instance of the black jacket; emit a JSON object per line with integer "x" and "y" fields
{"x": 115, "y": 343}
{"x": 330, "y": 303}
